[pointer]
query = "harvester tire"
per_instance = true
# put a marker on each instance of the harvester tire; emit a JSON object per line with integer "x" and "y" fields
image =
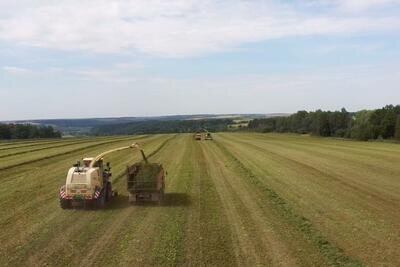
{"x": 132, "y": 198}
{"x": 161, "y": 196}
{"x": 101, "y": 200}
{"x": 65, "y": 203}
{"x": 109, "y": 192}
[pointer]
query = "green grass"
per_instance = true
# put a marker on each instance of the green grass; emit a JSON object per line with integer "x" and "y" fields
{"x": 243, "y": 199}
{"x": 335, "y": 256}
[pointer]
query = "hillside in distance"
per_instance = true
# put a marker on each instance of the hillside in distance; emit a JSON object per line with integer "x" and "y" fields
{"x": 84, "y": 126}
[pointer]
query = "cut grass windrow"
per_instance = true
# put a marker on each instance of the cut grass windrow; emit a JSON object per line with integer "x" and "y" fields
{"x": 40, "y": 158}
{"x": 51, "y": 146}
{"x": 335, "y": 255}
{"x": 32, "y": 144}
{"x": 208, "y": 236}
{"x": 163, "y": 144}
{"x": 354, "y": 206}
{"x": 18, "y": 142}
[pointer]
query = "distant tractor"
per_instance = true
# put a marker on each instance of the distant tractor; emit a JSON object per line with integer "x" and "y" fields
{"x": 198, "y": 137}
{"x": 145, "y": 182}
{"x": 89, "y": 185}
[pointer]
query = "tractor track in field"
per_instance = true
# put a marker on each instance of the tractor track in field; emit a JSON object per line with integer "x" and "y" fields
{"x": 63, "y": 154}
{"x": 247, "y": 241}
{"x": 335, "y": 256}
{"x": 192, "y": 249}
{"x": 105, "y": 238}
{"x": 259, "y": 223}
{"x": 169, "y": 248}
{"x": 213, "y": 238}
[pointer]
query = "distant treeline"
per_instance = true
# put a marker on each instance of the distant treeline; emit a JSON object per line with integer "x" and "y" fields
{"x": 159, "y": 126}
{"x": 382, "y": 123}
{"x": 27, "y": 131}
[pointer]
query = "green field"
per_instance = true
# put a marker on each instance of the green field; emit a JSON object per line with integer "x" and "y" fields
{"x": 241, "y": 199}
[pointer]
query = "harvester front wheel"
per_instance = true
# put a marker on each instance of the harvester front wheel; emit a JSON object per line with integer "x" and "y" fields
{"x": 65, "y": 203}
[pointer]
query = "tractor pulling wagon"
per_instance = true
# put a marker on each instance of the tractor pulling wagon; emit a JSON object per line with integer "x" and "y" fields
{"x": 202, "y": 135}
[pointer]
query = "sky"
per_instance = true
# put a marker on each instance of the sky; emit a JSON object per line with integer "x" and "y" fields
{"x": 113, "y": 58}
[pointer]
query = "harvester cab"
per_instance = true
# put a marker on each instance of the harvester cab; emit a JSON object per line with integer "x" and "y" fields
{"x": 89, "y": 184}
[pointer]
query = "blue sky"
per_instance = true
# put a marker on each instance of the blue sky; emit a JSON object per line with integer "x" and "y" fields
{"x": 71, "y": 59}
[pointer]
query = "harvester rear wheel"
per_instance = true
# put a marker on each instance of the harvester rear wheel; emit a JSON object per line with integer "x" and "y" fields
{"x": 132, "y": 198}
{"x": 161, "y": 196}
{"x": 155, "y": 197}
{"x": 109, "y": 192}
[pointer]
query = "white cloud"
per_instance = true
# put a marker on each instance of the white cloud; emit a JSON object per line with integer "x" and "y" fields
{"x": 103, "y": 75}
{"x": 176, "y": 27}
{"x": 357, "y": 5}
{"x": 16, "y": 70}
{"x": 353, "y": 87}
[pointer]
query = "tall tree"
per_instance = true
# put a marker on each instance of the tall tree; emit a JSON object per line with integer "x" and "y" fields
{"x": 397, "y": 134}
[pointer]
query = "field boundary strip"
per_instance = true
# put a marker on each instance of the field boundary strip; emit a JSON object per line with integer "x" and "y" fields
{"x": 66, "y": 153}
{"x": 334, "y": 255}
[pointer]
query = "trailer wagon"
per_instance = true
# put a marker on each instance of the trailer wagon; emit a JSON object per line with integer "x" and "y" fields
{"x": 145, "y": 182}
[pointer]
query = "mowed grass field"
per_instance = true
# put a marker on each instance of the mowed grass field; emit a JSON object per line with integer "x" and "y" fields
{"x": 240, "y": 200}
